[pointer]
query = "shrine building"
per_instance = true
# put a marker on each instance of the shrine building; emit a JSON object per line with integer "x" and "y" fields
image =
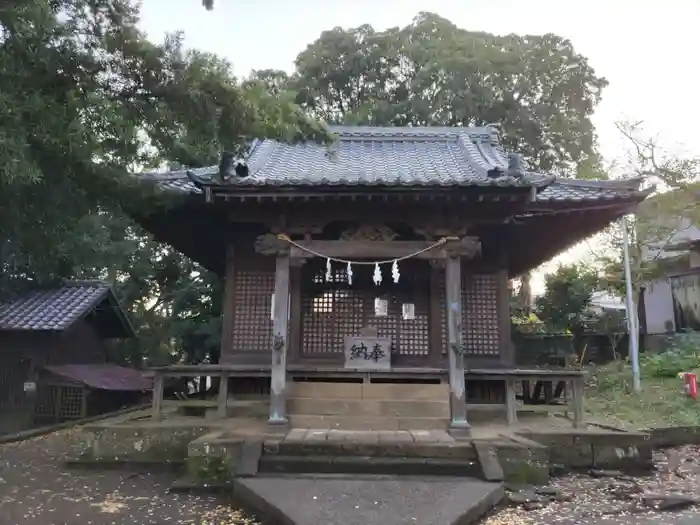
{"x": 382, "y": 258}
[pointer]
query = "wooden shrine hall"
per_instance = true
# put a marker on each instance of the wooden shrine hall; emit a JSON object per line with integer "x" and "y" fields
{"x": 384, "y": 256}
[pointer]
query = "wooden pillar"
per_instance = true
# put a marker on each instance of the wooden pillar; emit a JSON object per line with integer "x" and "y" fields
{"x": 511, "y": 402}
{"x": 459, "y": 427}
{"x": 437, "y": 266}
{"x": 295, "y": 310}
{"x": 222, "y": 400}
{"x": 278, "y": 374}
{"x": 157, "y": 395}
{"x": 577, "y": 400}
{"x": 229, "y": 305}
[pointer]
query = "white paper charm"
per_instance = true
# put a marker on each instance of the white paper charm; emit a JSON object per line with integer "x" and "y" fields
{"x": 408, "y": 311}
{"x": 395, "y": 272}
{"x": 349, "y": 272}
{"x": 377, "y": 277}
{"x": 329, "y": 274}
{"x": 381, "y": 307}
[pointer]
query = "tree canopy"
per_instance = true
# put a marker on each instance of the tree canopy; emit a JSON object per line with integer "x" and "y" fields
{"x": 567, "y": 296}
{"x": 86, "y": 99}
{"x": 431, "y": 72}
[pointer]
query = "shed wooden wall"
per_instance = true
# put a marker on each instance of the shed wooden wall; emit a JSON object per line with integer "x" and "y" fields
{"x": 22, "y": 353}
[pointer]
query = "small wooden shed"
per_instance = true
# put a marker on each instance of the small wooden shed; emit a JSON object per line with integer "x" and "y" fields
{"x": 47, "y": 333}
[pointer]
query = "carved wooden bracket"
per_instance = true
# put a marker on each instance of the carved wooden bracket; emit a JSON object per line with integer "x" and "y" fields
{"x": 269, "y": 244}
{"x": 368, "y": 232}
{"x": 467, "y": 247}
{"x": 432, "y": 232}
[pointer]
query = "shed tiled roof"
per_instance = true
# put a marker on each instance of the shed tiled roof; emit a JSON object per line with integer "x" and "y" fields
{"x": 55, "y": 309}
{"x": 395, "y": 156}
{"x": 104, "y": 376}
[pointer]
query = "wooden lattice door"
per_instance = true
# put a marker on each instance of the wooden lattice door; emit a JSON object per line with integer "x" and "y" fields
{"x": 334, "y": 309}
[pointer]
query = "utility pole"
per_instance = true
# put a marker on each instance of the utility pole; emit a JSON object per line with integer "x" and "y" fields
{"x": 631, "y": 311}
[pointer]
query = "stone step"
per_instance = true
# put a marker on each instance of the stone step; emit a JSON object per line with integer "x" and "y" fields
{"x": 367, "y": 407}
{"x": 463, "y": 451}
{"x": 343, "y": 422}
{"x": 279, "y": 464}
{"x": 388, "y": 391}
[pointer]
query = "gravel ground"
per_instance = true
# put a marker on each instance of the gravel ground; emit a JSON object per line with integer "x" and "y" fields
{"x": 618, "y": 500}
{"x": 37, "y": 489}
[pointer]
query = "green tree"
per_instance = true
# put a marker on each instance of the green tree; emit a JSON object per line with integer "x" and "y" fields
{"x": 86, "y": 100}
{"x": 567, "y": 296}
{"x": 432, "y": 72}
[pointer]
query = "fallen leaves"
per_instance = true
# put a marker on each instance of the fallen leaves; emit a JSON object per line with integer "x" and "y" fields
{"x": 37, "y": 489}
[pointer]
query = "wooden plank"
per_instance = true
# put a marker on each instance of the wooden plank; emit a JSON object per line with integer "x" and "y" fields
{"x": 189, "y": 403}
{"x": 157, "y": 396}
{"x": 458, "y": 404}
{"x": 280, "y": 343}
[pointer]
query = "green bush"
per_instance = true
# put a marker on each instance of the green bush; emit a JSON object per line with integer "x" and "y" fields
{"x": 682, "y": 355}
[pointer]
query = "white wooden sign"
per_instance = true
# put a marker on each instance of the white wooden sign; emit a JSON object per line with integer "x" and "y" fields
{"x": 368, "y": 353}
{"x": 381, "y": 307}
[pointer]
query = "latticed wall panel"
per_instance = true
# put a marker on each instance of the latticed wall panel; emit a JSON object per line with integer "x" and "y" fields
{"x": 59, "y": 402}
{"x": 334, "y": 310}
{"x": 13, "y": 373}
{"x": 480, "y": 319}
{"x": 252, "y": 325}
{"x": 71, "y": 402}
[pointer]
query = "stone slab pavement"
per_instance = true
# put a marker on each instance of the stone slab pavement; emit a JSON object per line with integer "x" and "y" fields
{"x": 37, "y": 489}
{"x": 369, "y": 500}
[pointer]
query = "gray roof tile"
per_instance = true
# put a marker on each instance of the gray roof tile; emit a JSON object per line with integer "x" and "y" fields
{"x": 390, "y": 156}
{"x": 55, "y": 309}
{"x": 585, "y": 190}
{"x": 371, "y": 156}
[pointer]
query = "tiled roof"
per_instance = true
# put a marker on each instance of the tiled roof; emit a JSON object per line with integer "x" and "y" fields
{"x": 391, "y": 156}
{"x": 373, "y": 156}
{"x": 55, "y": 309}
{"x": 105, "y": 376}
{"x": 584, "y": 190}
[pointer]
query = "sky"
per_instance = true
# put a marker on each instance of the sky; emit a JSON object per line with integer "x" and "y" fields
{"x": 646, "y": 49}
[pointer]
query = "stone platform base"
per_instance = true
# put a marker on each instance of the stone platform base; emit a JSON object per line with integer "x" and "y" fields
{"x": 368, "y": 500}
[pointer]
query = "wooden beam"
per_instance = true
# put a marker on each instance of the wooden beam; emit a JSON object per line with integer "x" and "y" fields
{"x": 280, "y": 343}
{"x": 459, "y": 427}
{"x": 354, "y": 249}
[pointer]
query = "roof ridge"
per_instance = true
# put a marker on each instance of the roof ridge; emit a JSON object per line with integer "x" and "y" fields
{"x": 87, "y": 282}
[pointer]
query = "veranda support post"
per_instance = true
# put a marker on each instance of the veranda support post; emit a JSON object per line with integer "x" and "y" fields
{"x": 278, "y": 374}
{"x": 459, "y": 427}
